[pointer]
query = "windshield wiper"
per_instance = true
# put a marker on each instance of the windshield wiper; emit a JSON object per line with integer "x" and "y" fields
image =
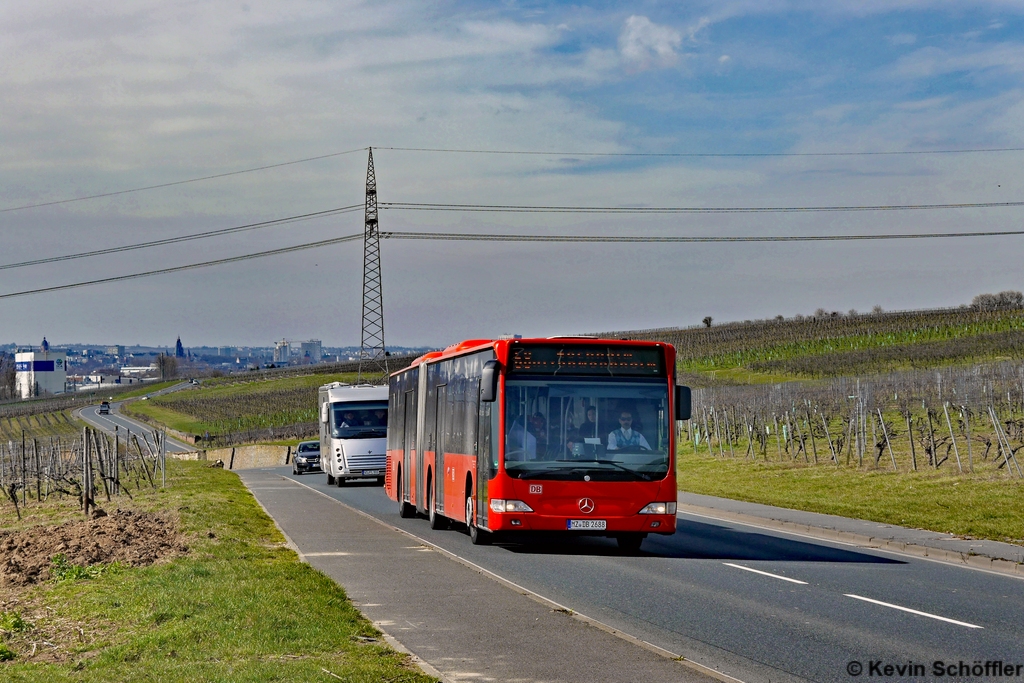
{"x": 639, "y": 475}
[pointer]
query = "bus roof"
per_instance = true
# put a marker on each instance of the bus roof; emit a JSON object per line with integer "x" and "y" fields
{"x": 500, "y": 346}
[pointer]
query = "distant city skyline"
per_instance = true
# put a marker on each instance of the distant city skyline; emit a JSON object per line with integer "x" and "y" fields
{"x": 792, "y": 104}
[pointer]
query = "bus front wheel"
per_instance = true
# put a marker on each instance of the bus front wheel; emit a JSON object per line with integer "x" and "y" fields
{"x": 630, "y": 543}
{"x": 477, "y": 536}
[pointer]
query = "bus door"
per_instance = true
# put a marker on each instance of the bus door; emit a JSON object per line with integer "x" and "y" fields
{"x": 440, "y": 410}
{"x": 410, "y": 445}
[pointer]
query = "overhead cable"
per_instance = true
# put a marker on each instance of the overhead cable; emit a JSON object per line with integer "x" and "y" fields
{"x": 187, "y": 238}
{"x": 639, "y": 239}
{"x": 981, "y": 150}
{"x": 513, "y": 208}
{"x": 474, "y": 237}
{"x": 175, "y": 269}
{"x": 181, "y": 182}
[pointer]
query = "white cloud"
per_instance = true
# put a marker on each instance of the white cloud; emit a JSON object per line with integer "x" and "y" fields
{"x": 903, "y": 39}
{"x": 932, "y": 61}
{"x": 644, "y": 44}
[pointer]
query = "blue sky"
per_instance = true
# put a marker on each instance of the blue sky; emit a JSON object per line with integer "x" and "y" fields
{"x": 103, "y": 98}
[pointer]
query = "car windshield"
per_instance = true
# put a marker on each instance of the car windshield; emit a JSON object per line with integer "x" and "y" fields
{"x": 362, "y": 420}
{"x": 571, "y": 430}
{"x": 309, "y": 448}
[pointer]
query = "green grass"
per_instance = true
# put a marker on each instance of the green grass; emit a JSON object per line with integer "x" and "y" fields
{"x": 167, "y": 417}
{"x": 987, "y": 505}
{"x": 239, "y": 607}
{"x": 148, "y": 389}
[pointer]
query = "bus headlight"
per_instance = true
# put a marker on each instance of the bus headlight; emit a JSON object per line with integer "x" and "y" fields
{"x": 500, "y": 505}
{"x": 659, "y": 509}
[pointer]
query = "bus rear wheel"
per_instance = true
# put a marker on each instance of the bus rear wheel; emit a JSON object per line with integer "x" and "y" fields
{"x": 477, "y": 536}
{"x": 630, "y": 543}
{"x": 330, "y": 479}
{"x": 405, "y": 511}
{"x": 437, "y": 520}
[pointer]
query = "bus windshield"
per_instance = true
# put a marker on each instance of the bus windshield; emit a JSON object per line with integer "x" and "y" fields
{"x": 359, "y": 420}
{"x": 586, "y": 430}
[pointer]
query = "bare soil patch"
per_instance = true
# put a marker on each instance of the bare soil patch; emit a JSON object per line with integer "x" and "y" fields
{"x": 131, "y": 537}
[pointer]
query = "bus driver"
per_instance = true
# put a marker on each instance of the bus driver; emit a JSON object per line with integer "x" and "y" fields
{"x": 625, "y": 437}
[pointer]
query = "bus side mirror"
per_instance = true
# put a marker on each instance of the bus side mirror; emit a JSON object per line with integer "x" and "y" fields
{"x": 683, "y": 402}
{"x": 489, "y": 382}
{"x": 324, "y": 407}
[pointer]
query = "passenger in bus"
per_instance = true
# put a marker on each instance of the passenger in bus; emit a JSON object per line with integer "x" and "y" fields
{"x": 625, "y": 436}
{"x": 520, "y": 444}
{"x": 588, "y": 430}
{"x": 538, "y": 429}
{"x": 349, "y": 419}
{"x": 380, "y": 418}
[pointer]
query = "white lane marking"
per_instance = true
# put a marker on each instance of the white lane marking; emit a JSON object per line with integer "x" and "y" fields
{"x": 912, "y": 611}
{"x": 758, "y": 571}
{"x": 339, "y": 554}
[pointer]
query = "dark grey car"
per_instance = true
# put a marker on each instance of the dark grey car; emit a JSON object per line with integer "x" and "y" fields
{"x": 307, "y": 457}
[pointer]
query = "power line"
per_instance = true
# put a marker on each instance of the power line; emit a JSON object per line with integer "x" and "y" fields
{"x": 204, "y": 264}
{"x": 187, "y": 238}
{"x": 181, "y": 182}
{"x": 452, "y": 236}
{"x": 707, "y": 154}
{"x": 512, "y": 208}
{"x": 475, "y": 237}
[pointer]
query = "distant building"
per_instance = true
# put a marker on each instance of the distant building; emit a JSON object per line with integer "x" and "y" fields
{"x": 282, "y": 351}
{"x": 225, "y": 350}
{"x": 116, "y": 351}
{"x": 42, "y": 372}
{"x": 312, "y": 350}
{"x": 179, "y": 350}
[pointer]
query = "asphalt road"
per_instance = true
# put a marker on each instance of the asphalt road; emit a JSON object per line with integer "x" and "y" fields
{"x": 759, "y": 604}
{"x": 107, "y": 423}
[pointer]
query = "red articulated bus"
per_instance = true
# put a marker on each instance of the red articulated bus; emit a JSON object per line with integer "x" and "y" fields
{"x": 572, "y": 435}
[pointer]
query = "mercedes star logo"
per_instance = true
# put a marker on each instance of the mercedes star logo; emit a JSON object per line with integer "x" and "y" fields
{"x": 586, "y": 506}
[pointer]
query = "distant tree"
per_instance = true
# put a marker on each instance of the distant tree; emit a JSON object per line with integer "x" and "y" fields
{"x": 1000, "y": 301}
{"x": 779, "y": 318}
{"x": 876, "y": 309}
{"x": 167, "y": 366}
{"x": 820, "y": 313}
{"x": 853, "y": 313}
{"x": 707, "y": 321}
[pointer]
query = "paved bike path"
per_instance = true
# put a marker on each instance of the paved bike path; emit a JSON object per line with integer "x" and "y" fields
{"x": 463, "y": 623}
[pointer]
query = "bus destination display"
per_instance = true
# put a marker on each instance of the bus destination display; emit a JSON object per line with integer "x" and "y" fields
{"x": 566, "y": 359}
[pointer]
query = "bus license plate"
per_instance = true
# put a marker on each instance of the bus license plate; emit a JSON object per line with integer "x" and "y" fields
{"x": 586, "y": 524}
{"x": 371, "y": 473}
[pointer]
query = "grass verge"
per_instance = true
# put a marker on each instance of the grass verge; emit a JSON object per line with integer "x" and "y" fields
{"x": 240, "y": 607}
{"x": 988, "y": 505}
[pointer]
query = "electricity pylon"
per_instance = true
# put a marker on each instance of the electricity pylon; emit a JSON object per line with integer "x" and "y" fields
{"x": 373, "y": 362}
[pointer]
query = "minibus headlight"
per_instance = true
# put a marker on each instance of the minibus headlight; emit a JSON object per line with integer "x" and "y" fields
{"x": 500, "y": 505}
{"x": 659, "y": 509}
